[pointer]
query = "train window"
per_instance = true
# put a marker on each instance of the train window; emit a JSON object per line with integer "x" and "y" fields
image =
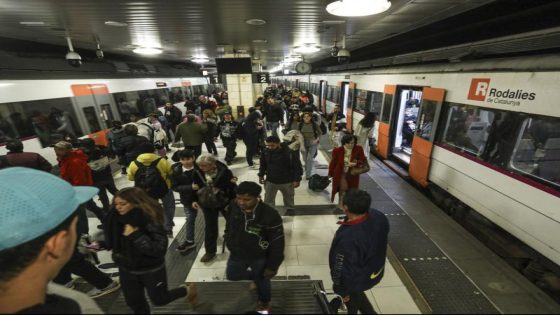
{"x": 467, "y": 127}
{"x": 50, "y": 120}
{"x": 387, "y": 102}
{"x": 537, "y": 150}
{"x": 107, "y": 114}
{"x": 361, "y": 101}
{"x": 426, "y": 120}
{"x": 91, "y": 118}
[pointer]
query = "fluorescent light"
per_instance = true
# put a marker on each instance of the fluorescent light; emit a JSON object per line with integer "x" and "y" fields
{"x": 32, "y": 23}
{"x": 147, "y": 51}
{"x": 200, "y": 60}
{"x": 358, "y": 7}
{"x": 255, "y": 22}
{"x": 117, "y": 24}
{"x": 307, "y": 49}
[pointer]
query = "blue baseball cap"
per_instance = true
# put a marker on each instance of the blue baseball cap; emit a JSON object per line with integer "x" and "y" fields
{"x": 34, "y": 202}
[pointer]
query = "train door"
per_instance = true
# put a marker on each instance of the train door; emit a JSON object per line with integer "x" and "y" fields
{"x": 423, "y": 140}
{"x": 95, "y": 108}
{"x": 403, "y": 122}
{"x": 323, "y": 96}
{"x": 346, "y": 102}
{"x": 383, "y": 138}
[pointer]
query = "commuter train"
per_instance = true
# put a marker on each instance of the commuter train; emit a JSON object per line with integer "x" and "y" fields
{"x": 487, "y": 132}
{"x": 42, "y": 112}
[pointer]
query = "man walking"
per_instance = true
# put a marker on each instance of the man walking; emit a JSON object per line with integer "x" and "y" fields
{"x": 228, "y": 132}
{"x": 192, "y": 134}
{"x": 283, "y": 171}
{"x": 358, "y": 251}
{"x": 255, "y": 239}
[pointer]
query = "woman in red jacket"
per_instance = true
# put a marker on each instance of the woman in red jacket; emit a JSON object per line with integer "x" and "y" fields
{"x": 348, "y": 155}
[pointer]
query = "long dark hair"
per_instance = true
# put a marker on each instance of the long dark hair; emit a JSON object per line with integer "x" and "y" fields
{"x": 139, "y": 198}
{"x": 369, "y": 120}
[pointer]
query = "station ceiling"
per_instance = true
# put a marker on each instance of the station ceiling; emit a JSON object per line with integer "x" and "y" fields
{"x": 185, "y": 29}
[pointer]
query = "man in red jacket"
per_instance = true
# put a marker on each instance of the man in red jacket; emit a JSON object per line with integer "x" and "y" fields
{"x": 73, "y": 164}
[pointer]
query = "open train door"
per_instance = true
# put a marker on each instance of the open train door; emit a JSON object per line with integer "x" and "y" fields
{"x": 423, "y": 141}
{"x": 383, "y": 139}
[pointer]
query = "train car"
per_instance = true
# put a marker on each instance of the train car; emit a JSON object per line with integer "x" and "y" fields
{"x": 486, "y": 132}
{"x": 42, "y": 112}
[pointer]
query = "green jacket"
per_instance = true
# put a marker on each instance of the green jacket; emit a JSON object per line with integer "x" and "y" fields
{"x": 221, "y": 110}
{"x": 191, "y": 133}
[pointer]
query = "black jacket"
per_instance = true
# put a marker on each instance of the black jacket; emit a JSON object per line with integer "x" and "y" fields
{"x": 181, "y": 182}
{"x": 222, "y": 181}
{"x": 128, "y": 148}
{"x": 275, "y": 114}
{"x": 257, "y": 235}
{"x": 358, "y": 252}
{"x": 141, "y": 251}
{"x": 228, "y": 130}
{"x": 282, "y": 166}
{"x": 173, "y": 115}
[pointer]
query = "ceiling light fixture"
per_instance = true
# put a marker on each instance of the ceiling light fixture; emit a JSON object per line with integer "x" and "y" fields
{"x": 307, "y": 49}
{"x": 200, "y": 60}
{"x": 358, "y": 7}
{"x": 260, "y": 41}
{"x": 147, "y": 51}
{"x": 39, "y": 23}
{"x": 255, "y": 22}
{"x": 117, "y": 24}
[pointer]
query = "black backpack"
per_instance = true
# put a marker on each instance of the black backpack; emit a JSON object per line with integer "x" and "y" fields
{"x": 318, "y": 182}
{"x": 149, "y": 178}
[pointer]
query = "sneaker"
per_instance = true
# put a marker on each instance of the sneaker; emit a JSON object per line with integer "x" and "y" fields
{"x": 170, "y": 234}
{"x": 95, "y": 293}
{"x": 263, "y": 307}
{"x": 186, "y": 246}
{"x": 207, "y": 257}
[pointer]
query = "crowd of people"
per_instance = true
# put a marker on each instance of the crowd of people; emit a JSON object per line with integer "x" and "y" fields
{"x": 138, "y": 222}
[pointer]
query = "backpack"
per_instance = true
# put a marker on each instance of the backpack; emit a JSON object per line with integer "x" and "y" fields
{"x": 149, "y": 178}
{"x": 318, "y": 182}
{"x": 159, "y": 139}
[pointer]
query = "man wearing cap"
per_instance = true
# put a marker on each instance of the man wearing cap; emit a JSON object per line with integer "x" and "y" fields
{"x": 255, "y": 238}
{"x": 228, "y": 132}
{"x": 38, "y": 238}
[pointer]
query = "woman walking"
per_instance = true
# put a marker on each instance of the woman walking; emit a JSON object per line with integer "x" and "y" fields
{"x": 135, "y": 233}
{"x": 348, "y": 155}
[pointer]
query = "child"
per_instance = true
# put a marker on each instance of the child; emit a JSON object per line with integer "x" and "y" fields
{"x": 134, "y": 231}
{"x": 182, "y": 182}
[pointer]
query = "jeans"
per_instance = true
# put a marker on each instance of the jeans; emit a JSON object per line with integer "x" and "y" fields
{"x": 308, "y": 157}
{"x": 211, "y": 146}
{"x": 190, "y": 214}
{"x": 79, "y": 266}
{"x": 93, "y": 207}
{"x": 237, "y": 270}
{"x": 230, "y": 145}
{"x": 211, "y": 229}
{"x": 287, "y": 190}
{"x": 155, "y": 283}
{"x": 169, "y": 207}
{"x": 252, "y": 148}
{"x": 273, "y": 127}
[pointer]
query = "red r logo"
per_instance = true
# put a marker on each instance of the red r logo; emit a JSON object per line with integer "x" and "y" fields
{"x": 479, "y": 89}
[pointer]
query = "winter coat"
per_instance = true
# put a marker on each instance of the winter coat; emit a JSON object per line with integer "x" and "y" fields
{"x": 128, "y": 148}
{"x": 222, "y": 181}
{"x": 114, "y": 136}
{"x": 192, "y": 133}
{"x": 28, "y": 159}
{"x": 282, "y": 166}
{"x": 75, "y": 170}
{"x": 358, "y": 252}
{"x": 181, "y": 182}
{"x": 336, "y": 168}
{"x": 143, "y": 250}
{"x": 257, "y": 235}
{"x": 163, "y": 166}
{"x": 173, "y": 115}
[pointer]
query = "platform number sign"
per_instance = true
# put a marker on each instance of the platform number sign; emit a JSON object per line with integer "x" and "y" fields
{"x": 261, "y": 77}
